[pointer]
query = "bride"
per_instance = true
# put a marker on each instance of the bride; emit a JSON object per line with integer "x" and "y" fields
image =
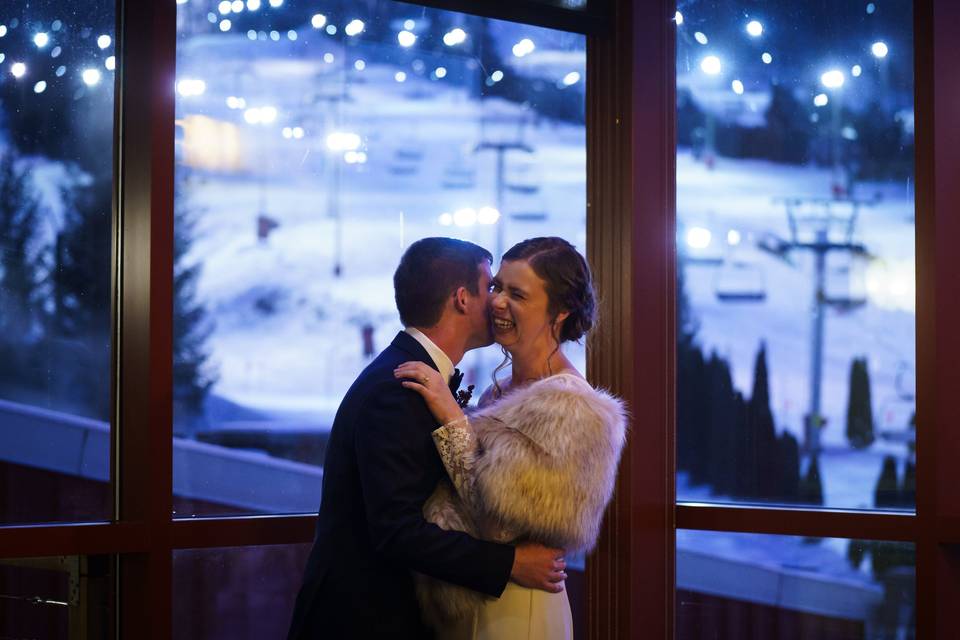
{"x": 537, "y": 461}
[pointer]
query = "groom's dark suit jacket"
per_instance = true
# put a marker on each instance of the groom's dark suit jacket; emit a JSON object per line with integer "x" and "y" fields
{"x": 381, "y": 466}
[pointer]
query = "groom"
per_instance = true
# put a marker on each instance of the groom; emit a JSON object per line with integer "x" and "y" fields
{"x": 381, "y": 466}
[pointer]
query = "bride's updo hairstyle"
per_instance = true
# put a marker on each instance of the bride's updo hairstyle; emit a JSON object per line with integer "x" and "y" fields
{"x": 568, "y": 280}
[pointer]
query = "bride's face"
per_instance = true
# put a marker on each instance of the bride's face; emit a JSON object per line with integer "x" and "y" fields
{"x": 519, "y": 306}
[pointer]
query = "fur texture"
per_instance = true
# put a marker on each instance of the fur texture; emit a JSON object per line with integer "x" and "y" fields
{"x": 545, "y": 467}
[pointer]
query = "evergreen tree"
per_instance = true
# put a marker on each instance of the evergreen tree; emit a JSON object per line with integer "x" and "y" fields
{"x": 721, "y": 443}
{"x": 21, "y": 266}
{"x": 908, "y": 490}
{"x": 193, "y": 375}
{"x": 811, "y": 488}
{"x": 887, "y": 492}
{"x": 859, "y": 406}
{"x": 79, "y": 322}
{"x": 759, "y": 469}
{"x": 788, "y": 458}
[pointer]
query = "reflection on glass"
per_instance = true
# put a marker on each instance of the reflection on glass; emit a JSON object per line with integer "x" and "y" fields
{"x": 236, "y": 593}
{"x": 735, "y": 586}
{"x": 795, "y": 214}
{"x": 56, "y": 597}
{"x": 56, "y": 140}
{"x": 312, "y": 148}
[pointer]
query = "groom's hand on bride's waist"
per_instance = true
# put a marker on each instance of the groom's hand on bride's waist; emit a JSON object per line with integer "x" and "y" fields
{"x": 538, "y": 567}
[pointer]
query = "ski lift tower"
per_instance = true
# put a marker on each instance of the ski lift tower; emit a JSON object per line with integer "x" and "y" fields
{"x": 821, "y": 226}
{"x": 501, "y": 148}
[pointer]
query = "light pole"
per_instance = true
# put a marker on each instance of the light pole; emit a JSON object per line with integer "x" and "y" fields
{"x": 833, "y": 81}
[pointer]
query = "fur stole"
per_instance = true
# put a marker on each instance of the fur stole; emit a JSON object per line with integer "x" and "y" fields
{"x": 545, "y": 469}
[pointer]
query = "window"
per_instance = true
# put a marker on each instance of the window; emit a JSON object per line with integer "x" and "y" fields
{"x": 57, "y": 65}
{"x": 312, "y": 148}
{"x": 795, "y": 233}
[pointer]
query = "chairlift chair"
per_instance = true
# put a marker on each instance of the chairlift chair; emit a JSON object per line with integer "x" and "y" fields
{"x": 739, "y": 281}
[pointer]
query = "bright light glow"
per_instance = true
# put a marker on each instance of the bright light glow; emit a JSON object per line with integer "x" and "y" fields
{"x": 879, "y": 49}
{"x": 318, "y": 21}
{"x": 496, "y": 76}
{"x": 354, "y": 27}
{"x": 234, "y": 102}
{"x": 406, "y": 38}
{"x": 18, "y": 69}
{"x": 359, "y": 65}
{"x": 41, "y": 40}
{"x": 55, "y": 52}
{"x": 571, "y": 78}
{"x": 445, "y": 219}
{"x": 409, "y": 25}
{"x": 856, "y": 71}
{"x": 182, "y": 1}
{"x": 60, "y": 71}
{"x": 400, "y": 76}
{"x": 766, "y": 57}
{"x": 190, "y": 87}
{"x": 871, "y": 8}
{"x": 466, "y": 217}
{"x": 328, "y": 58}
{"x": 711, "y": 65}
{"x": 454, "y": 37}
{"x": 40, "y": 87}
{"x": 354, "y": 157}
{"x": 56, "y": 25}
{"x": 699, "y": 238}
{"x": 110, "y": 63}
{"x": 252, "y": 116}
{"x": 298, "y": 132}
{"x": 488, "y": 215}
{"x": 253, "y": 5}
{"x": 292, "y": 35}
{"x": 737, "y": 87}
{"x": 275, "y": 36}
{"x": 225, "y": 25}
{"x": 225, "y": 7}
{"x": 268, "y": 114}
{"x": 343, "y": 141}
{"x": 212, "y": 18}
{"x": 821, "y": 100}
{"x": 104, "y": 41}
{"x": 523, "y": 48}
{"x": 331, "y": 29}
{"x": 276, "y": 3}
{"x": 440, "y": 72}
{"x": 3, "y": 30}
{"x": 287, "y": 133}
{"x": 755, "y": 29}
{"x": 733, "y": 237}
{"x": 848, "y": 133}
{"x": 237, "y": 6}
{"x": 678, "y": 18}
{"x": 832, "y": 79}
{"x": 700, "y": 37}
{"x": 90, "y": 77}
{"x": 251, "y": 35}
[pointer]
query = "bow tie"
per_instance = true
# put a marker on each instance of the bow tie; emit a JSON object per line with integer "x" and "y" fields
{"x": 455, "y": 379}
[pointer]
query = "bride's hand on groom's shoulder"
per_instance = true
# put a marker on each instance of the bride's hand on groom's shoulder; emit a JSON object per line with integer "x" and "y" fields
{"x": 428, "y": 382}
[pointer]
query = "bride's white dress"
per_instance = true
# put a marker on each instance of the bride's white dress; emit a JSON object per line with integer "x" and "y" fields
{"x": 520, "y": 613}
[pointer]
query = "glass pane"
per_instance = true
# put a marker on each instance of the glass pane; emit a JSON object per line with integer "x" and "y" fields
{"x": 312, "y": 148}
{"x": 57, "y": 597}
{"x": 795, "y": 214}
{"x": 236, "y": 593}
{"x": 738, "y": 586}
{"x": 56, "y": 145}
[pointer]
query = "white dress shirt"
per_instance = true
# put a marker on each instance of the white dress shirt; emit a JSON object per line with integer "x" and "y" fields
{"x": 442, "y": 360}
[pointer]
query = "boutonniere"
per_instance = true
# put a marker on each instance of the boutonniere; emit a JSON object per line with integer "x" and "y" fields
{"x": 463, "y": 397}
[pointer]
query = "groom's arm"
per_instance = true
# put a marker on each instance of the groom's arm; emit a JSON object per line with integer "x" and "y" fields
{"x": 399, "y": 469}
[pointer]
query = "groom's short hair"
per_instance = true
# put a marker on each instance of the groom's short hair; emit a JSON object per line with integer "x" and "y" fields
{"x": 430, "y": 271}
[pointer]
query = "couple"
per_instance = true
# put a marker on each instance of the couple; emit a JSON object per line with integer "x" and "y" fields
{"x": 436, "y": 523}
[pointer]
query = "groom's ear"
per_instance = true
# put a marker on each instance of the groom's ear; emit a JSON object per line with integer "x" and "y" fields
{"x": 460, "y": 297}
